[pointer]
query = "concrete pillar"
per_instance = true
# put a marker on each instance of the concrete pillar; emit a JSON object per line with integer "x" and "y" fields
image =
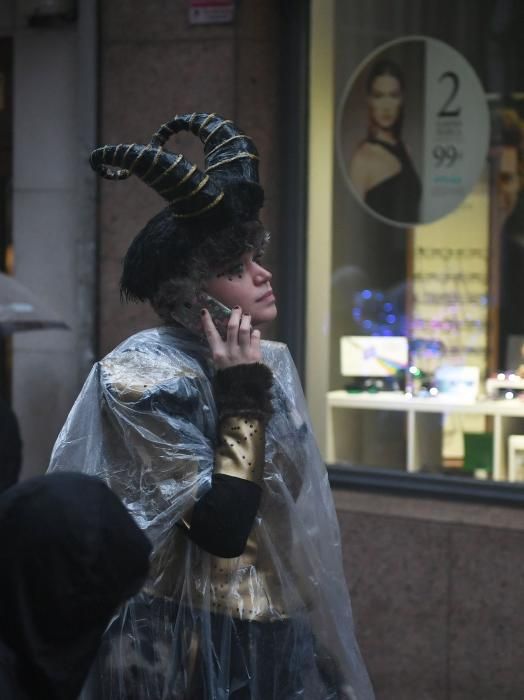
{"x": 53, "y": 219}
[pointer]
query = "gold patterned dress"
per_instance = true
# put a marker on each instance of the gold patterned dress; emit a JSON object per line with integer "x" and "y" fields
{"x": 274, "y": 623}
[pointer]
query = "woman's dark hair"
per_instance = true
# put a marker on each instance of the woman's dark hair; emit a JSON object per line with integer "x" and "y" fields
{"x": 387, "y": 67}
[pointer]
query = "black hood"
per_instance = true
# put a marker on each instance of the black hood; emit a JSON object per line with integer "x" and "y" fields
{"x": 69, "y": 555}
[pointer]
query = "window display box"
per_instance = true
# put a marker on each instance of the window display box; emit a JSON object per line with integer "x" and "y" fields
{"x": 423, "y": 426}
{"x": 516, "y": 458}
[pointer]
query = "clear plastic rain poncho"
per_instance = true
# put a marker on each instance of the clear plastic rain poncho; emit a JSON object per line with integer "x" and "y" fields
{"x": 272, "y": 624}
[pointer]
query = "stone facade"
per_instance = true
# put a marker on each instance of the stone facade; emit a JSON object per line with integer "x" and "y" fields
{"x": 437, "y": 594}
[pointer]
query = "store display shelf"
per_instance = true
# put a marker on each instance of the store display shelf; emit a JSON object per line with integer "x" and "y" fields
{"x": 424, "y": 425}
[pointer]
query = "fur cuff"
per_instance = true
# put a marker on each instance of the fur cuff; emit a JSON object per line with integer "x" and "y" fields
{"x": 244, "y": 390}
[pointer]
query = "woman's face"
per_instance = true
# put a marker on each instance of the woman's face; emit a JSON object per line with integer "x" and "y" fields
{"x": 246, "y": 284}
{"x": 385, "y": 101}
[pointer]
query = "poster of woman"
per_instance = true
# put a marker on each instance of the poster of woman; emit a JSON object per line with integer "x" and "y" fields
{"x": 381, "y": 134}
{"x": 412, "y": 131}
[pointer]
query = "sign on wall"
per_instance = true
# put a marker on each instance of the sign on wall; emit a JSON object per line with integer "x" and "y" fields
{"x": 412, "y": 131}
{"x": 211, "y": 11}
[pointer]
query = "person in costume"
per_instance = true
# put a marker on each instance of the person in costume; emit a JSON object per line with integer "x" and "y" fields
{"x": 381, "y": 170}
{"x": 201, "y": 428}
{"x": 70, "y": 554}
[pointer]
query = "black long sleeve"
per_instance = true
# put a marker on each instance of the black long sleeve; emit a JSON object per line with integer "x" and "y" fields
{"x": 223, "y": 518}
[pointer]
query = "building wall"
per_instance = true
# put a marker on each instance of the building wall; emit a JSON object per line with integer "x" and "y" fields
{"x": 154, "y": 64}
{"x": 53, "y": 218}
{"x": 437, "y": 596}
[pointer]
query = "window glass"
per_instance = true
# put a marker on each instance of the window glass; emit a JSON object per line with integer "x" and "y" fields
{"x": 426, "y": 325}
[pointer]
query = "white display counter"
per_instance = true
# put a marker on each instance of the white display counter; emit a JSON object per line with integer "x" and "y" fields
{"x": 423, "y": 425}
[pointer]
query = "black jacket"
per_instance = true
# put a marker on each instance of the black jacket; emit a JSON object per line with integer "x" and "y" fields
{"x": 69, "y": 555}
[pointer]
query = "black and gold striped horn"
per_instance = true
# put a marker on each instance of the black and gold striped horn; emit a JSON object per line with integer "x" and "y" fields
{"x": 229, "y": 153}
{"x": 188, "y": 190}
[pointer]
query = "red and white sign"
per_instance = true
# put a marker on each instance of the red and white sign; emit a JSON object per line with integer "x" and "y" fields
{"x": 211, "y": 11}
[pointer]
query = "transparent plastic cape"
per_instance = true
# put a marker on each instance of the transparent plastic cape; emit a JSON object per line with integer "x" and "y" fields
{"x": 274, "y": 623}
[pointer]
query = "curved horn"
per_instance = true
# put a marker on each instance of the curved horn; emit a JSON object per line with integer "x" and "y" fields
{"x": 226, "y": 148}
{"x": 188, "y": 190}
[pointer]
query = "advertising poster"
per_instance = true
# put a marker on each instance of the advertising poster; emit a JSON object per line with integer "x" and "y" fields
{"x": 507, "y": 234}
{"x": 412, "y": 131}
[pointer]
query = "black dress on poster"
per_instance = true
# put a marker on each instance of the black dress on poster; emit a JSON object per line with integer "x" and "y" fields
{"x": 397, "y": 197}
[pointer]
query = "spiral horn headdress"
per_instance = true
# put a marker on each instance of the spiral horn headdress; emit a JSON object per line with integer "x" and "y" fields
{"x": 231, "y": 163}
{"x": 188, "y": 191}
{"x": 228, "y": 152}
{"x": 212, "y": 215}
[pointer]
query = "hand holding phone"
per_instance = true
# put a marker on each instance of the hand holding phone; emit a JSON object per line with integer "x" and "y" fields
{"x": 189, "y": 314}
{"x": 220, "y": 313}
{"x": 241, "y": 345}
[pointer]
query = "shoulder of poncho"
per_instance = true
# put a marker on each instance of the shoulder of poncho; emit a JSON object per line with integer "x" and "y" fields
{"x": 277, "y": 356}
{"x": 145, "y": 361}
{"x": 275, "y": 350}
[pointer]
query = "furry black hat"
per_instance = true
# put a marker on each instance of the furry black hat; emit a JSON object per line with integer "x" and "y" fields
{"x": 205, "y": 221}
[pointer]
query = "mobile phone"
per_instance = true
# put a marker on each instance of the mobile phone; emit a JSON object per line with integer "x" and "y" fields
{"x": 189, "y": 314}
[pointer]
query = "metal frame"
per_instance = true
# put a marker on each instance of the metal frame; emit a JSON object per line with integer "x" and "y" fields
{"x": 293, "y": 117}
{"x": 403, "y": 484}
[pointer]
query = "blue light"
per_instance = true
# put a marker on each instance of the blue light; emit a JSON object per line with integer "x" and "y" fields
{"x": 357, "y": 313}
{"x": 366, "y": 294}
{"x": 367, "y": 325}
{"x": 388, "y": 306}
{"x": 391, "y": 318}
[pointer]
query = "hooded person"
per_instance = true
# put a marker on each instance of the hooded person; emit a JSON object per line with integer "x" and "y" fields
{"x": 70, "y": 554}
{"x": 201, "y": 428}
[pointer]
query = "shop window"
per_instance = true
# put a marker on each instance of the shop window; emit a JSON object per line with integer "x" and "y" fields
{"x": 422, "y": 368}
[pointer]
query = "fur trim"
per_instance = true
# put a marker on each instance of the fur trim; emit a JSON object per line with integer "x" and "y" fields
{"x": 243, "y": 199}
{"x": 244, "y": 390}
{"x": 166, "y": 249}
